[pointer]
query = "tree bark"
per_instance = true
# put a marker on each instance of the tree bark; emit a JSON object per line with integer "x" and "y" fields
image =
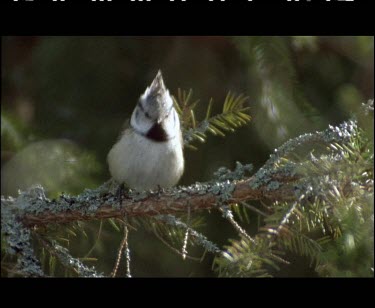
{"x": 164, "y": 203}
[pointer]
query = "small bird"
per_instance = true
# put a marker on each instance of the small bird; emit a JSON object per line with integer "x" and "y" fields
{"x": 149, "y": 154}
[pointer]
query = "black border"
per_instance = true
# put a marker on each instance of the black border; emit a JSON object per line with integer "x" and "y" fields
{"x": 314, "y": 292}
{"x": 162, "y": 17}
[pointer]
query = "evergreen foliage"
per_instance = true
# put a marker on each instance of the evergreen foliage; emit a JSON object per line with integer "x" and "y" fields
{"x": 331, "y": 224}
{"x": 233, "y": 116}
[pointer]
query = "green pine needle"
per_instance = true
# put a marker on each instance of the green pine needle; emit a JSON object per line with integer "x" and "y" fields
{"x": 234, "y": 115}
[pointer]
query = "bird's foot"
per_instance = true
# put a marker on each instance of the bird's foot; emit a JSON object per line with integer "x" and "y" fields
{"x": 160, "y": 190}
{"x": 120, "y": 193}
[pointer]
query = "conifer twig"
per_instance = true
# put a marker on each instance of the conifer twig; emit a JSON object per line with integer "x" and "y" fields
{"x": 174, "y": 249}
{"x": 184, "y": 247}
{"x": 227, "y": 213}
{"x": 123, "y": 247}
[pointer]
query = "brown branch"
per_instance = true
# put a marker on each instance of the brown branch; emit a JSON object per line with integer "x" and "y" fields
{"x": 156, "y": 204}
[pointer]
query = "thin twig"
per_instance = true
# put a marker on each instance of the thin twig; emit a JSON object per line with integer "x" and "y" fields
{"x": 123, "y": 246}
{"x": 97, "y": 239}
{"x": 286, "y": 218}
{"x": 127, "y": 254}
{"x": 184, "y": 247}
{"x": 204, "y": 254}
{"x": 253, "y": 208}
{"x": 66, "y": 259}
{"x": 174, "y": 249}
{"x": 199, "y": 238}
{"x": 229, "y": 215}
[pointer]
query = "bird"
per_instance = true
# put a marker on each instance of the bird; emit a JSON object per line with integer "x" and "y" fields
{"x": 149, "y": 153}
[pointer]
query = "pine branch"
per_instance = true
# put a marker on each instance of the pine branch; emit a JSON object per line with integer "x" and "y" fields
{"x": 233, "y": 116}
{"x": 271, "y": 182}
{"x": 91, "y": 205}
{"x": 68, "y": 261}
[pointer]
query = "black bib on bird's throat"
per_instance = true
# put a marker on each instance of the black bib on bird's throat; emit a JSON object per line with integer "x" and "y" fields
{"x": 157, "y": 133}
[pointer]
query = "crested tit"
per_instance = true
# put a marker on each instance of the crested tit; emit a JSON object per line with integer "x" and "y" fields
{"x": 148, "y": 154}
